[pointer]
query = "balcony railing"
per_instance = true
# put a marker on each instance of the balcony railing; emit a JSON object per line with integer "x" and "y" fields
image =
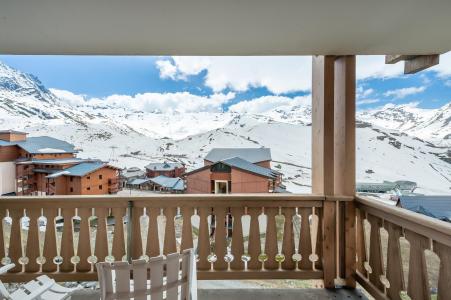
{"x": 235, "y": 236}
{"x": 385, "y": 279}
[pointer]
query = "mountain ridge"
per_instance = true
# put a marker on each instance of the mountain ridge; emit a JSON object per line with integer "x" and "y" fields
{"x": 128, "y": 137}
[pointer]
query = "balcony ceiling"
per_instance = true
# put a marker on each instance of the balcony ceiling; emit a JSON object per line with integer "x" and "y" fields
{"x": 226, "y": 27}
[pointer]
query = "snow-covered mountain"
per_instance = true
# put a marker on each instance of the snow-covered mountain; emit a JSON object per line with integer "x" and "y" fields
{"x": 433, "y": 125}
{"x": 402, "y": 142}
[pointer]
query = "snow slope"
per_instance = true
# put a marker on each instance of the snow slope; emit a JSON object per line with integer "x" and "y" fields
{"x": 129, "y": 137}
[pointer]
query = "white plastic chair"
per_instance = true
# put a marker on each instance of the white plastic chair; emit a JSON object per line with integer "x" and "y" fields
{"x": 42, "y": 288}
{"x": 121, "y": 280}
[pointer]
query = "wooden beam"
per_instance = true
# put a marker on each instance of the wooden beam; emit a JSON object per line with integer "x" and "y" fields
{"x": 393, "y": 59}
{"x": 323, "y": 156}
{"x": 344, "y": 164}
{"x": 420, "y": 63}
{"x": 414, "y": 63}
{"x": 322, "y": 124}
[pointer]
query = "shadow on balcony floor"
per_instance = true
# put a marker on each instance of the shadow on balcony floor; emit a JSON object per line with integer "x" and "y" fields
{"x": 286, "y": 294}
{"x": 253, "y": 294}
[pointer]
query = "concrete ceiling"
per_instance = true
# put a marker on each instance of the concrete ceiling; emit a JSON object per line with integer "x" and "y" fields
{"x": 225, "y": 27}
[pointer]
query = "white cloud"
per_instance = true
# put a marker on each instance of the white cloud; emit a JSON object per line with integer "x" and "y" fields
{"x": 367, "y": 101}
{"x": 448, "y": 83}
{"x": 373, "y": 66}
{"x": 404, "y": 92}
{"x": 279, "y": 74}
{"x": 182, "y": 102}
{"x": 361, "y": 92}
{"x": 443, "y": 69}
{"x": 69, "y": 97}
{"x": 268, "y": 103}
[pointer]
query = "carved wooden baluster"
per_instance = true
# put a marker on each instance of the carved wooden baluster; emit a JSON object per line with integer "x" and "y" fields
{"x": 50, "y": 240}
{"x": 444, "y": 278}
{"x": 395, "y": 274}
{"x": 136, "y": 251}
{"x": 153, "y": 242}
{"x": 237, "y": 239}
{"x": 118, "y": 238}
{"x": 187, "y": 230}
{"x": 254, "y": 239}
{"x": 33, "y": 240}
{"x": 418, "y": 286}
{"x": 67, "y": 250}
{"x": 170, "y": 243}
{"x": 84, "y": 250}
{"x": 271, "y": 238}
{"x": 204, "y": 239}
{"x": 305, "y": 241}
{"x": 220, "y": 239}
{"x": 288, "y": 239}
{"x": 3, "y": 249}
{"x": 319, "y": 238}
{"x": 376, "y": 262}
{"x": 361, "y": 243}
{"x": 15, "y": 241}
{"x": 101, "y": 238}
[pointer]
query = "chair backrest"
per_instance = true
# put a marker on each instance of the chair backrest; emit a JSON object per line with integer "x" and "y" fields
{"x": 138, "y": 280}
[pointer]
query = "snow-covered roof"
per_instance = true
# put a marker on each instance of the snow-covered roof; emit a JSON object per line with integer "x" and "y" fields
{"x": 130, "y": 173}
{"x": 80, "y": 170}
{"x": 138, "y": 181}
{"x": 169, "y": 182}
{"x": 12, "y": 131}
{"x": 252, "y": 155}
{"x": 42, "y": 145}
{"x": 163, "y": 166}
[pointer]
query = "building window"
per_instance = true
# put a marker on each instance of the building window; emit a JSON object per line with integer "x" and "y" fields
{"x": 100, "y": 176}
{"x": 100, "y": 187}
{"x": 71, "y": 179}
{"x": 89, "y": 177}
{"x": 88, "y": 188}
{"x": 71, "y": 190}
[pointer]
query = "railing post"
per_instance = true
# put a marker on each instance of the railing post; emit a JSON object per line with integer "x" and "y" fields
{"x": 323, "y": 156}
{"x": 129, "y": 230}
{"x": 344, "y": 163}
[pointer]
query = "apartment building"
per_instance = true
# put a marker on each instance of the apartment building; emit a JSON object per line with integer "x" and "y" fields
{"x": 48, "y": 166}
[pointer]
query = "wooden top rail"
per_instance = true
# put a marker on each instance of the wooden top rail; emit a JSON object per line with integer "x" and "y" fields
{"x": 434, "y": 229}
{"x": 165, "y": 200}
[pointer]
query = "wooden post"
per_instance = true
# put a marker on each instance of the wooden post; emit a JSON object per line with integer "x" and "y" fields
{"x": 323, "y": 156}
{"x": 344, "y": 162}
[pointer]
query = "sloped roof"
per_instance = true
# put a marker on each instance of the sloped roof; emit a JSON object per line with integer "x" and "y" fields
{"x": 12, "y": 131}
{"x": 138, "y": 181}
{"x": 163, "y": 166}
{"x": 252, "y": 155}
{"x": 436, "y": 206}
{"x": 80, "y": 169}
{"x": 169, "y": 182}
{"x": 242, "y": 164}
{"x": 42, "y": 145}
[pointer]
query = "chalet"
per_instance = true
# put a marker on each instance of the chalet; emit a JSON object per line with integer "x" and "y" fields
{"x": 48, "y": 166}
{"x": 128, "y": 175}
{"x": 166, "y": 169}
{"x": 258, "y": 156}
{"x": 242, "y": 173}
{"x": 168, "y": 184}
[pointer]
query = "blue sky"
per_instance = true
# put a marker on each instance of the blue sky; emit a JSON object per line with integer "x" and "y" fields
{"x": 242, "y": 78}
